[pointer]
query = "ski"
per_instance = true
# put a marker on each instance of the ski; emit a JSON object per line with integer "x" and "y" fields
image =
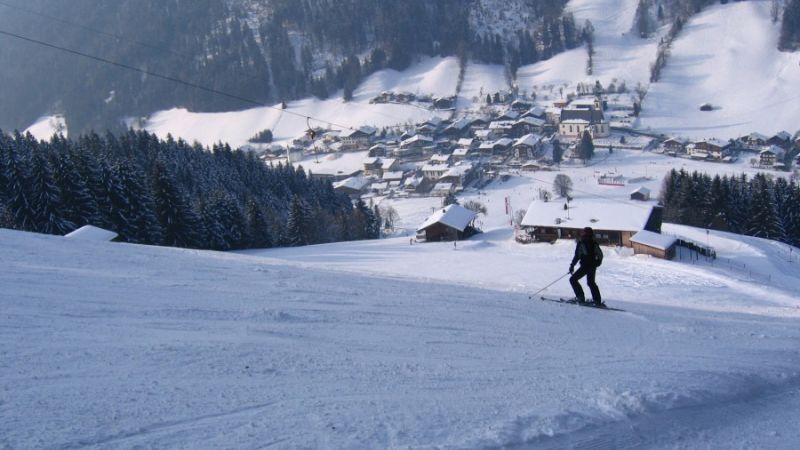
{"x": 575, "y": 302}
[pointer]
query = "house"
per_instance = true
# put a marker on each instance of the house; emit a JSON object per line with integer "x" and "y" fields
{"x": 434, "y": 171}
{"x": 418, "y": 141}
{"x": 654, "y": 244}
{"x": 537, "y": 112}
{"x": 412, "y": 184}
{"x": 484, "y": 135}
{"x": 353, "y": 186}
{"x": 442, "y": 189}
{"x": 495, "y": 147}
{"x": 641, "y": 194}
{"x": 467, "y": 143}
{"x": 378, "y": 150}
{"x": 521, "y": 106}
{"x": 527, "y": 147}
{"x": 460, "y": 154}
{"x": 372, "y": 165}
{"x": 444, "y": 102}
{"x": 574, "y": 121}
{"x": 450, "y": 223}
{"x": 754, "y": 140}
{"x": 614, "y": 222}
{"x": 781, "y": 139}
{"x": 527, "y": 125}
{"x": 457, "y": 129}
{"x": 392, "y": 176}
{"x": 501, "y": 128}
{"x": 673, "y": 146}
{"x": 712, "y": 148}
{"x": 509, "y": 116}
{"x": 610, "y": 179}
{"x": 358, "y": 138}
{"x": 478, "y": 123}
{"x": 459, "y": 175}
{"x": 769, "y": 157}
{"x": 441, "y": 159}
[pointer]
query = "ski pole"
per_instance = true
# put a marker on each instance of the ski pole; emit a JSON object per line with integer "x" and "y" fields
{"x": 542, "y": 289}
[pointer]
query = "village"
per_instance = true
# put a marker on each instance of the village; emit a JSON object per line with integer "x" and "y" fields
{"x": 512, "y": 134}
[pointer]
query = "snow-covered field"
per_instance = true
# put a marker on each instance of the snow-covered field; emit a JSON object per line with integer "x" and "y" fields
{"x": 431, "y": 76}
{"x": 727, "y": 56}
{"x": 386, "y": 345}
{"x": 45, "y": 127}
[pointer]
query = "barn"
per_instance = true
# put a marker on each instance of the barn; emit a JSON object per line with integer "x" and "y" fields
{"x": 642, "y": 194}
{"x": 450, "y": 223}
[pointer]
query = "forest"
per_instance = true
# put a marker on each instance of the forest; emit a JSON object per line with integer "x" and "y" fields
{"x": 760, "y": 206}
{"x": 167, "y": 192}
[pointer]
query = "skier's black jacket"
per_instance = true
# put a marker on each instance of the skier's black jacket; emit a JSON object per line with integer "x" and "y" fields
{"x": 588, "y": 252}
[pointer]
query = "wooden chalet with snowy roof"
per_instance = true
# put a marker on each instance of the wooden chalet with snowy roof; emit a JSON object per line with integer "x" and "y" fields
{"x": 451, "y": 223}
{"x": 614, "y": 222}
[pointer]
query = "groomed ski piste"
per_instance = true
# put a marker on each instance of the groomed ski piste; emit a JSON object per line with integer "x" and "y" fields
{"x": 383, "y": 344}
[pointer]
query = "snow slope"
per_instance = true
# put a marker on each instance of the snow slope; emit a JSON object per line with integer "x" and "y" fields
{"x": 434, "y": 76}
{"x": 619, "y": 54}
{"x": 112, "y": 345}
{"x": 45, "y": 127}
{"x": 479, "y": 81}
{"x": 727, "y": 56}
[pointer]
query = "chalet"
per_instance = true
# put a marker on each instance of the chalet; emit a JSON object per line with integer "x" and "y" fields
{"x": 478, "y": 123}
{"x": 501, "y": 128}
{"x": 509, "y": 115}
{"x": 560, "y": 103}
{"x": 654, "y": 244}
{"x": 537, "y": 112}
{"x": 521, "y": 106}
{"x": 754, "y": 140}
{"x": 431, "y": 125}
{"x": 372, "y": 165}
{"x": 460, "y": 154}
{"x": 392, "y": 176}
{"x": 673, "y": 146}
{"x": 495, "y": 147}
{"x": 434, "y": 171}
{"x": 527, "y": 147}
{"x": 641, "y": 194}
{"x": 459, "y": 175}
{"x": 378, "y": 150}
{"x": 356, "y": 138}
{"x": 552, "y": 115}
{"x": 441, "y": 159}
{"x": 457, "y": 129}
{"x": 574, "y": 121}
{"x": 444, "y": 102}
{"x": 442, "y": 189}
{"x": 451, "y": 223}
{"x": 614, "y": 222}
{"x": 770, "y": 157}
{"x": 467, "y": 143}
{"x": 782, "y": 139}
{"x": 711, "y": 148}
{"x": 527, "y": 125}
{"x": 418, "y": 141}
{"x": 411, "y": 184}
{"x": 353, "y": 186}
{"x": 484, "y": 135}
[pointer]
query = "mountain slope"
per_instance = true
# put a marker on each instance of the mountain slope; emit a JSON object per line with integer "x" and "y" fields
{"x": 727, "y": 56}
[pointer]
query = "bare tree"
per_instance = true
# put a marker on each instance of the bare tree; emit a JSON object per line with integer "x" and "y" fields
{"x": 390, "y": 217}
{"x": 562, "y": 185}
{"x": 476, "y": 207}
{"x": 518, "y": 216}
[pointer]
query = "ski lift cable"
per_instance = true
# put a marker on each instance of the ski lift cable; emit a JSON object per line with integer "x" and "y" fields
{"x": 168, "y": 78}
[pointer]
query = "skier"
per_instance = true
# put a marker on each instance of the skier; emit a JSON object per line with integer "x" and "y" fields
{"x": 588, "y": 252}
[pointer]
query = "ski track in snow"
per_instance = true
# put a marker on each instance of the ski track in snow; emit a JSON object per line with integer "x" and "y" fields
{"x": 114, "y": 345}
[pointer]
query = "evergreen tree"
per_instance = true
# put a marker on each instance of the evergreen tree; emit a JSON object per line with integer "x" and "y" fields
{"x": 298, "y": 225}
{"x": 790, "y": 27}
{"x": 179, "y": 221}
{"x": 78, "y": 204}
{"x": 17, "y": 189}
{"x": 764, "y": 221}
{"x": 131, "y": 208}
{"x": 450, "y": 199}
{"x": 258, "y": 228}
{"x": 558, "y": 152}
{"x": 45, "y": 198}
{"x": 586, "y": 146}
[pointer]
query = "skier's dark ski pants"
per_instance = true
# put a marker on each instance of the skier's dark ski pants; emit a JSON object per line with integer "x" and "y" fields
{"x": 589, "y": 274}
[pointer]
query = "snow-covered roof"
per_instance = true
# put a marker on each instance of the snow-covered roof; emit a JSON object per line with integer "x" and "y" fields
{"x": 397, "y": 175}
{"x": 641, "y": 190}
{"x": 370, "y": 160}
{"x": 483, "y": 134}
{"x": 504, "y": 142}
{"x": 575, "y": 122}
{"x": 92, "y": 233}
{"x": 354, "y": 183}
{"x": 774, "y": 149}
{"x": 454, "y": 216}
{"x": 461, "y": 152}
{"x": 465, "y": 142}
{"x": 501, "y": 124}
{"x": 599, "y": 214}
{"x": 458, "y": 170}
{"x": 654, "y": 240}
{"x": 531, "y": 121}
{"x": 783, "y": 135}
{"x": 442, "y": 187}
{"x": 529, "y": 139}
{"x": 440, "y": 158}
{"x": 415, "y": 139}
{"x": 435, "y": 168}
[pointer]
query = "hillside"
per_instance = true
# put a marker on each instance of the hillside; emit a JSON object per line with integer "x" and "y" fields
{"x": 727, "y": 56}
{"x": 123, "y": 345}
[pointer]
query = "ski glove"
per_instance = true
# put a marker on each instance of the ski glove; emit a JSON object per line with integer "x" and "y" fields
{"x": 571, "y": 269}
